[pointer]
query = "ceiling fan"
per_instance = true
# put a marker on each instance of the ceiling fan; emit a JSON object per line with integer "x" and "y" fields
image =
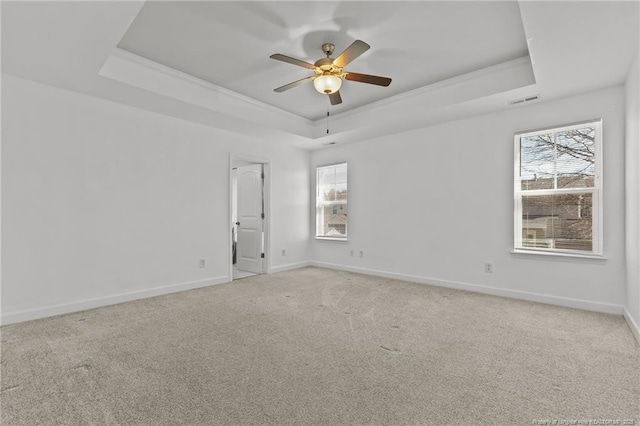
{"x": 328, "y": 73}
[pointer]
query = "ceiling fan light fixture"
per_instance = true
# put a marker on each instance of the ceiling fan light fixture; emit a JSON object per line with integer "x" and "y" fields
{"x": 327, "y": 83}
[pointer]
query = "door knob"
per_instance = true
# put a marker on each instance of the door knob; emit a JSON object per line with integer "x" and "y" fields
{"x": 238, "y": 223}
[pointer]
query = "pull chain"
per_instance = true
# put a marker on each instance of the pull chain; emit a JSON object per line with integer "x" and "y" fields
{"x": 327, "y": 122}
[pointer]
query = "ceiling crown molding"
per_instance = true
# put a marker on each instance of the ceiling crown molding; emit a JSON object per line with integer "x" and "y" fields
{"x": 134, "y": 70}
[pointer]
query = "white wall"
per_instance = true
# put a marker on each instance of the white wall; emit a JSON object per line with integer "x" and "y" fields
{"x": 434, "y": 204}
{"x": 632, "y": 193}
{"x": 103, "y": 202}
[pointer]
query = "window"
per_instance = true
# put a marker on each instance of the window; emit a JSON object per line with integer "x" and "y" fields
{"x": 558, "y": 190}
{"x": 331, "y": 201}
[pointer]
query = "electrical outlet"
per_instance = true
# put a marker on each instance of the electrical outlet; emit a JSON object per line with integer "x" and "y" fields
{"x": 201, "y": 263}
{"x": 361, "y": 253}
{"x": 284, "y": 252}
{"x": 488, "y": 268}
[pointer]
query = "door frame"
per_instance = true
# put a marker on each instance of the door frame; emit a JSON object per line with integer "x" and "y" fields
{"x": 266, "y": 195}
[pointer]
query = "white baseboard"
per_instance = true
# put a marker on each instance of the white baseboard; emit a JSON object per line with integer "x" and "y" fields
{"x": 635, "y": 329}
{"x": 83, "y": 305}
{"x": 289, "y": 267}
{"x": 513, "y": 294}
{"x": 76, "y": 306}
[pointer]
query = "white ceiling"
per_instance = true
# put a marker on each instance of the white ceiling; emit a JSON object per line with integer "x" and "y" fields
{"x": 208, "y": 62}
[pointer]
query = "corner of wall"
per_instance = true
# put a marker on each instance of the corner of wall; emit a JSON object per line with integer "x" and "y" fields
{"x": 635, "y": 328}
{"x": 632, "y": 197}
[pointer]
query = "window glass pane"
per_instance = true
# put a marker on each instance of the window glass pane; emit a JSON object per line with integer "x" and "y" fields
{"x": 331, "y": 220}
{"x": 326, "y": 177}
{"x": 563, "y": 159}
{"x": 329, "y": 192}
{"x": 560, "y": 221}
{"x": 341, "y": 173}
{"x": 575, "y": 158}
{"x": 537, "y": 162}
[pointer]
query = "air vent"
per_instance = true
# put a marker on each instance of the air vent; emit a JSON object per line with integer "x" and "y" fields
{"x": 523, "y": 100}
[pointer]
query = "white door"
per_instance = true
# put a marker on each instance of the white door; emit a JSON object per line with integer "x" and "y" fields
{"x": 249, "y": 213}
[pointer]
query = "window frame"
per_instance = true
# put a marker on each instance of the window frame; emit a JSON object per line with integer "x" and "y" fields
{"x": 597, "y": 222}
{"x": 320, "y": 204}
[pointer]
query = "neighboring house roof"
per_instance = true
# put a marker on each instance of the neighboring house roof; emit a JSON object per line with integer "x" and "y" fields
{"x": 336, "y": 219}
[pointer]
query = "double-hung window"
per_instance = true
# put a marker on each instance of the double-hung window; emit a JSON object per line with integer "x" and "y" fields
{"x": 558, "y": 190}
{"x": 331, "y": 201}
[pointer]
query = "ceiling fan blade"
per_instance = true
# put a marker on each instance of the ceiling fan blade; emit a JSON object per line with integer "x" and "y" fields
{"x": 292, "y": 85}
{"x": 366, "y": 78}
{"x": 356, "y": 49}
{"x": 294, "y": 61}
{"x": 335, "y": 98}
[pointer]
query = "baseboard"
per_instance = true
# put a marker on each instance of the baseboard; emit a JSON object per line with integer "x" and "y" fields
{"x": 65, "y": 308}
{"x": 289, "y": 267}
{"x": 635, "y": 329}
{"x": 83, "y": 305}
{"x": 513, "y": 294}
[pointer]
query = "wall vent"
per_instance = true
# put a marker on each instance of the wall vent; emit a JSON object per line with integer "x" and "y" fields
{"x": 523, "y": 100}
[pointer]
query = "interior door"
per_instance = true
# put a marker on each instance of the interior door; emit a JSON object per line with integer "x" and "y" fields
{"x": 249, "y": 213}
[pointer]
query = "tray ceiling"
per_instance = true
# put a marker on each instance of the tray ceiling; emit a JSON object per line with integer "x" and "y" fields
{"x": 208, "y": 62}
{"x": 415, "y": 43}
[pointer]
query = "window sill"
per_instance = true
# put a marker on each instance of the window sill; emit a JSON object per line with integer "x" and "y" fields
{"x": 557, "y": 254}
{"x": 331, "y": 239}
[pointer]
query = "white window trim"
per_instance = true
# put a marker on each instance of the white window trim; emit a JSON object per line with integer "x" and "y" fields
{"x": 321, "y": 204}
{"x": 345, "y": 239}
{"x": 596, "y": 191}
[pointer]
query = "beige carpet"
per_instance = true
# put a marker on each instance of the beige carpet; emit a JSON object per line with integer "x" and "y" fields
{"x": 316, "y": 346}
